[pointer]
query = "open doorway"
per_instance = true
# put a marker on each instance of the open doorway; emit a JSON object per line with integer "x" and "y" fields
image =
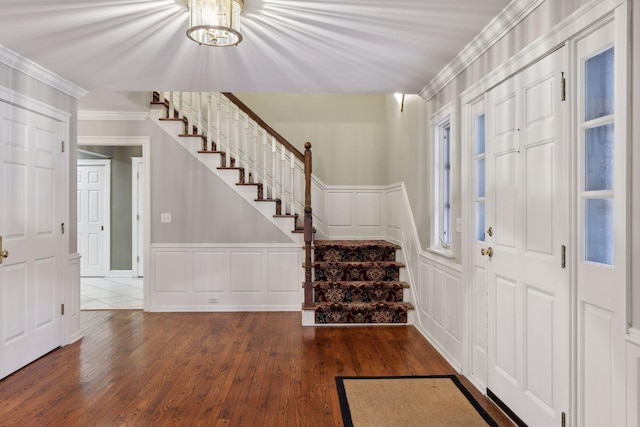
{"x": 110, "y": 226}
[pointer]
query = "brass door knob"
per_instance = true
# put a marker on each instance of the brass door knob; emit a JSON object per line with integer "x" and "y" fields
{"x": 4, "y": 254}
{"x": 488, "y": 251}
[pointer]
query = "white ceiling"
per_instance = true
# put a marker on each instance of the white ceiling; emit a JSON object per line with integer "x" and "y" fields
{"x": 322, "y": 46}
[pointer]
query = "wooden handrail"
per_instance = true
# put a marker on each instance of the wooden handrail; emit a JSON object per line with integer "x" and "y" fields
{"x": 264, "y": 125}
{"x": 308, "y": 228}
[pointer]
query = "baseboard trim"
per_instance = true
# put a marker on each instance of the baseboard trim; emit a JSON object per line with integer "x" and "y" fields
{"x": 219, "y": 308}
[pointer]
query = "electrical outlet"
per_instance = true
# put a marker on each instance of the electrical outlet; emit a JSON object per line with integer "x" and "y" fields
{"x": 213, "y": 300}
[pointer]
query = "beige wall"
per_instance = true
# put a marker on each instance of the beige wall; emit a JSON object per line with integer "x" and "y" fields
{"x": 347, "y": 132}
{"x": 203, "y": 208}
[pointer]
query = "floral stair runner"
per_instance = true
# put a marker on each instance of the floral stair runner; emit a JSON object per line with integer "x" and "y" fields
{"x": 357, "y": 281}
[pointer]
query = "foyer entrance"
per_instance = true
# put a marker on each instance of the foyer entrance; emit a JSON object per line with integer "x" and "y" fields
{"x": 526, "y": 233}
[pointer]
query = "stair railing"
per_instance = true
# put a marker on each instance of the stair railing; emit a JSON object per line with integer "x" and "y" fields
{"x": 226, "y": 124}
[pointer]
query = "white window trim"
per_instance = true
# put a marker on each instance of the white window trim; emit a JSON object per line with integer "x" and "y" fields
{"x": 441, "y": 119}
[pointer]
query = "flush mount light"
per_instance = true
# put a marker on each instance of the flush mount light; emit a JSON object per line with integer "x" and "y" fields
{"x": 215, "y": 22}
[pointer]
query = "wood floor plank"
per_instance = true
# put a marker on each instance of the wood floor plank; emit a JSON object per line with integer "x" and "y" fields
{"x": 240, "y": 369}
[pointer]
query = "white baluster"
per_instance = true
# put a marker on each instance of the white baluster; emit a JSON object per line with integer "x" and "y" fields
{"x": 237, "y": 136}
{"x": 282, "y": 194}
{"x": 273, "y": 168}
{"x": 228, "y": 128}
{"x": 264, "y": 163}
{"x": 180, "y": 106}
{"x": 218, "y": 140}
{"x": 209, "y": 123}
{"x": 245, "y": 141}
{"x": 255, "y": 149}
{"x": 198, "y": 100}
{"x": 171, "y": 113}
{"x": 293, "y": 168}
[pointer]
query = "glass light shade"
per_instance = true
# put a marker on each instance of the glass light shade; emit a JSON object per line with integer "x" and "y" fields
{"x": 215, "y": 22}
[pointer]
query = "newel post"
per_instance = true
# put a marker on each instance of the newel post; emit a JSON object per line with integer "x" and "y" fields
{"x": 308, "y": 228}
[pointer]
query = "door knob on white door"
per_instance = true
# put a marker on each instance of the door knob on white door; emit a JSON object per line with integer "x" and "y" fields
{"x": 3, "y": 254}
{"x": 488, "y": 251}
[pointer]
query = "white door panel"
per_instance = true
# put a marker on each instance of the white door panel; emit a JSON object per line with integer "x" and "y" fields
{"x": 31, "y": 194}
{"x": 93, "y": 216}
{"x": 527, "y": 205}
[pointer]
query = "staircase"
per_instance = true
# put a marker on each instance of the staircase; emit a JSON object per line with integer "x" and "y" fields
{"x": 358, "y": 281}
{"x": 242, "y": 150}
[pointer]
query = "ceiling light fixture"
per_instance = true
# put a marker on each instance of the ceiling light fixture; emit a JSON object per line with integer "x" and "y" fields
{"x": 215, "y": 22}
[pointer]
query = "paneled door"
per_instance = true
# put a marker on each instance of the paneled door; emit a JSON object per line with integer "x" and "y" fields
{"x": 527, "y": 208}
{"x": 31, "y": 195}
{"x": 93, "y": 216}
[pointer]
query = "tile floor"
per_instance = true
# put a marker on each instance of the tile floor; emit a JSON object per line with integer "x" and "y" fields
{"x": 102, "y": 293}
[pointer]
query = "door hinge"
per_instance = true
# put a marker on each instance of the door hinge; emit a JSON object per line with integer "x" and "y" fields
{"x": 62, "y": 146}
{"x": 563, "y": 256}
{"x": 564, "y": 419}
{"x": 563, "y": 88}
{"x": 138, "y": 259}
{"x": 138, "y": 217}
{"x": 62, "y": 227}
{"x": 62, "y": 309}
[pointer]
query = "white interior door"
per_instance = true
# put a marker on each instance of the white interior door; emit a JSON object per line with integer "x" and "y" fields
{"x": 527, "y": 206}
{"x": 31, "y": 214}
{"x": 93, "y": 216}
{"x": 479, "y": 234}
{"x": 137, "y": 176}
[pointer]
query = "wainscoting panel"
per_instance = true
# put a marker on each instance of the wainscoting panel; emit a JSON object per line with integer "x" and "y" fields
{"x": 246, "y": 271}
{"x": 72, "y": 324}
{"x": 202, "y": 277}
{"x": 596, "y": 366}
{"x": 369, "y": 212}
{"x": 352, "y": 213}
{"x": 209, "y": 272}
{"x": 633, "y": 378}
{"x": 340, "y": 213}
{"x": 435, "y": 282}
{"x": 171, "y": 267}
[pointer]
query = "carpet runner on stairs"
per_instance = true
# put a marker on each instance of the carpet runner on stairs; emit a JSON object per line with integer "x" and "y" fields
{"x": 358, "y": 281}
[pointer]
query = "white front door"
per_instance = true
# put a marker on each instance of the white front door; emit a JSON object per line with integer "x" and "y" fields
{"x": 527, "y": 206}
{"x": 31, "y": 215}
{"x": 93, "y": 216}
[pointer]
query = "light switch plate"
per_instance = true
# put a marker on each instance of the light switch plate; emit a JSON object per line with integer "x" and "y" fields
{"x": 165, "y": 218}
{"x": 458, "y": 225}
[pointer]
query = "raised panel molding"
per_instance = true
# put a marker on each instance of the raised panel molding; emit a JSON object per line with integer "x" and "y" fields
{"x": 245, "y": 271}
{"x": 210, "y": 277}
{"x": 368, "y": 209}
{"x": 596, "y": 366}
{"x": 633, "y": 378}
{"x": 340, "y": 211}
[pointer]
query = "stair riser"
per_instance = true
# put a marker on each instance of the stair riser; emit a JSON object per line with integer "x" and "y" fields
{"x": 360, "y": 254}
{"x": 365, "y": 314}
{"x": 378, "y": 294}
{"x": 335, "y": 272}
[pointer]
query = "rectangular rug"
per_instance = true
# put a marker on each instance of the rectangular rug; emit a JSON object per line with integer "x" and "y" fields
{"x": 435, "y": 400}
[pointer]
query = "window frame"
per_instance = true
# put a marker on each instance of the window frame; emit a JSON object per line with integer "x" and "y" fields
{"x": 441, "y": 210}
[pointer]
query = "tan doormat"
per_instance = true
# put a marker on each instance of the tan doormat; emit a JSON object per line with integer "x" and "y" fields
{"x": 438, "y": 400}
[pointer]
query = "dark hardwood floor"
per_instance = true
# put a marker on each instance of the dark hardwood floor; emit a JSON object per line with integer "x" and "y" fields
{"x": 237, "y": 369}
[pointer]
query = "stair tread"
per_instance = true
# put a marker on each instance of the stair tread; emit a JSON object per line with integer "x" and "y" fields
{"x": 358, "y": 283}
{"x": 210, "y": 152}
{"x": 348, "y": 305}
{"x": 249, "y": 183}
{"x": 349, "y": 243}
{"x": 359, "y": 263}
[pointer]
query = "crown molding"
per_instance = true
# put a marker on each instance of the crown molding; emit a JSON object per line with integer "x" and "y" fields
{"x": 510, "y": 16}
{"x": 31, "y": 69}
{"x": 113, "y": 115}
